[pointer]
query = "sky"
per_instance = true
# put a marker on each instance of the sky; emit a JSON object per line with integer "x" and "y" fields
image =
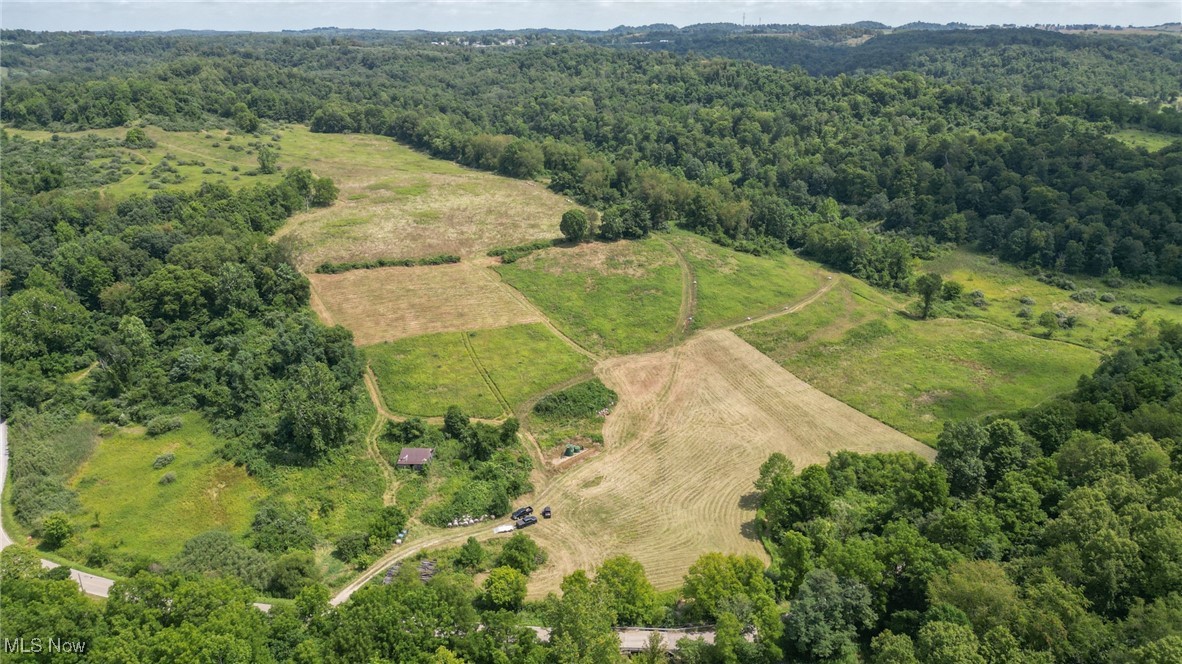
{"x": 460, "y": 15}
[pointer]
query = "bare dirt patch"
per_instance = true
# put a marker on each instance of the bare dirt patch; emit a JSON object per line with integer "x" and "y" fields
{"x": 390, "y": 303}
{"x": 681, "y": 450}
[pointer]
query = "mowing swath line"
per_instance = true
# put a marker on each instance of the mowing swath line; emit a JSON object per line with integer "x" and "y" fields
{"x": 492, "y": 385}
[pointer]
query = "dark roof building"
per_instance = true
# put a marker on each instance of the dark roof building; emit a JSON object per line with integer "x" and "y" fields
{"x": 415, "y": 457}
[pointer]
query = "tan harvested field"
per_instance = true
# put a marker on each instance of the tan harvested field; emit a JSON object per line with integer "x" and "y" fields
{"x": 681, "y": 451}
{"x": 390, "y": 303}
{"x": 398, "y": 203}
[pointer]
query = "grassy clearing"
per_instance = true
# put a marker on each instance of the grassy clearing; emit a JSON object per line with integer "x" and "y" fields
{"x": 126, "y": 508}
{"x": 615, "y": 298}
{"x": 181, "y": 160}
{"x": 1139, "y": 138}
{"x": 1004, "y": 287}
{"x": 424, "y": 375}
{"x": 523, "y": 360}
{"x": 398, "y": 203}
{"x": 733, "y": 285}
{"x": 914, "y": 375}
{"x": 386, "y": 304}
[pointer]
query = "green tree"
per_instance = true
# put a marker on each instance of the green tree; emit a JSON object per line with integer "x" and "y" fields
{"x": 574, "y": 225}
{"x": 522, "y": 159}
{"x": 505, "y": 588}
{"x": 628, "y": 590}
{"x": 315, "y": 413}
{"x": 471, "y": 555}
{"x": 891, "y": 648}
{"x": 56, "y": 530}
{"x": 928, "y": 286}
{"x": 1049, "y": 322}
{"x": 581, "y": 624}
{"x": 946, "y": 643}
{"x": 267, "y": 160}
{"x": 521, "y": 553}
{"x": 960, "y": 446}
{"x": 827, "y": 615}
{"x": 245, "y": 118}
{"x": 324, "y": 192}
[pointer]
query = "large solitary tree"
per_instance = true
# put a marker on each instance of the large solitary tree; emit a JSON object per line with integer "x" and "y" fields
{"x": 928, "y": 286}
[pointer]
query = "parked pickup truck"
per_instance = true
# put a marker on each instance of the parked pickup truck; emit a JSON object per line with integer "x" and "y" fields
{"x": 526, "y": 521}
{"x": 523, "y": 511}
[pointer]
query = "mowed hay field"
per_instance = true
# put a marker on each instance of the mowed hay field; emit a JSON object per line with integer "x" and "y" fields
{"x": 390, "y": 303}
{"x": 915, "y": 375}
{"x": 610, "y": 298}
{"x": 398, "y": 203}
{"x": 682, "y": 448}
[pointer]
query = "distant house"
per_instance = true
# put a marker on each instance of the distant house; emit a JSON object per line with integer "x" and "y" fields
{"x": 415, "y": 457}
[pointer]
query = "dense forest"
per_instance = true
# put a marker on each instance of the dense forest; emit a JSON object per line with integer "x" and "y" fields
{"x": 1049, "y": 535}
{"x": 751, "y": 155}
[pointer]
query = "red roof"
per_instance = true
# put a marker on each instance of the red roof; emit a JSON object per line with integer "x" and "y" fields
{"x": 415, "y": 456}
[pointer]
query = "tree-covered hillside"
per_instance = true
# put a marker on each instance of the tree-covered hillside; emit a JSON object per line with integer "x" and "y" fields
{"x": 750, "y": 155}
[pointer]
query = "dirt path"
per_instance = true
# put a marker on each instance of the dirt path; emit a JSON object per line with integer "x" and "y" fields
{"x": 791, "y": 309}
{"x": 389, "y": 496}
{"x": 689, "y": 296}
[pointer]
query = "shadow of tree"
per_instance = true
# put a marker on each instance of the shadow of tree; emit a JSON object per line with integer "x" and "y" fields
{"x": 749, "y": 501}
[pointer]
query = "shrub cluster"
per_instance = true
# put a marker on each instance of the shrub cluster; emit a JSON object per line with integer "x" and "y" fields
{"x": 582, "y": 400}
{"x": 337, "y": 268}
{"x": 517, "y": 252}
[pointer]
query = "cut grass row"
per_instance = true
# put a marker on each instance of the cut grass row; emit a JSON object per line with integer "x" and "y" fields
{"x": 423, "y": 375}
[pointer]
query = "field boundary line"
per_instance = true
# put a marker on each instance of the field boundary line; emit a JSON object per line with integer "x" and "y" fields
{"x": 484, "y": 374}
{"x": 317, "y": 305}
{"x": 495, "y": 277}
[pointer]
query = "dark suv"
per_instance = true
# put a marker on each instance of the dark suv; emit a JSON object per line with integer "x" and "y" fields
{"x": 526, "y": 521}
{"x": 524, "y": 511}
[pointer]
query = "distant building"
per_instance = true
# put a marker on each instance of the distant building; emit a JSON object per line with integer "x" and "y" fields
{"x": 415, "y": 457}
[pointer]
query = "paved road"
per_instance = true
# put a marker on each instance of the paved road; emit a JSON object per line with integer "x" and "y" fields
{"x": 91, "y": 584}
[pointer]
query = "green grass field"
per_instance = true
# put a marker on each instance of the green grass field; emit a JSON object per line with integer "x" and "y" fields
{"x": 914, "y": 375}
{"x": 424, "y": 375}
{"x": 612, "y": 298}
{"x": 1005, "y": 285}
{"x": 523, "y": 360}
{"x": 126, "y": 508}
{"x": 733, "y": 285}
{"x": 1139, "y": 138}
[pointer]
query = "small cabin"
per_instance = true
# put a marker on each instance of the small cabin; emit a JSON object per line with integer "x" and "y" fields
{"x": 415, "y": 457}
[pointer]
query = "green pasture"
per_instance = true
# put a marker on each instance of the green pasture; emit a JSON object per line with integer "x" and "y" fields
{"x": 616, "y": 298}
